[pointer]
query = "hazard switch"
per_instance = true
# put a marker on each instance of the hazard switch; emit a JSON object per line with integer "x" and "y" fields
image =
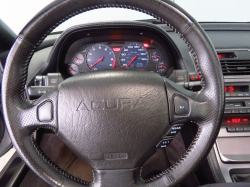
{"x": 193, "y": 77}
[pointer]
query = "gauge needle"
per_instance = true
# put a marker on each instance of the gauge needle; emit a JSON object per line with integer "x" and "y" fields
{"x": 71, "y": 70}
{"x": 113, "y": 63}
{"x": 157, "y": 56}
{"x": 77, "y": 58}
{"x": 163, "y": 66}
{"x": 101, "y": 59}
{"x": 133, "y": 59}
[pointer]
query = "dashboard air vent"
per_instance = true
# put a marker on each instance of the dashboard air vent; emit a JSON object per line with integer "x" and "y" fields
{"x": 230, "y": 67}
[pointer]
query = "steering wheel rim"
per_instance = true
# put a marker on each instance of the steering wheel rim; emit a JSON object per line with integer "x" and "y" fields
{"x": 206, "y": 106}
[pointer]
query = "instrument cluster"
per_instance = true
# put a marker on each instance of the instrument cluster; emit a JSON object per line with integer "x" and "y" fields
{"x": 131, "y": 55}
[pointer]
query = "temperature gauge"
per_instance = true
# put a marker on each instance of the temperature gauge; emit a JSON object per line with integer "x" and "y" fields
{"x": 78, "y": 59}
{"x": 161, "y": 67}
{"x": 156, "y": 56}
{"x": 72, "y": 69}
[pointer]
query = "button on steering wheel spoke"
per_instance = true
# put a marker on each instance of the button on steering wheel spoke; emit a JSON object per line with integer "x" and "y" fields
{"x": 185, "y": 105}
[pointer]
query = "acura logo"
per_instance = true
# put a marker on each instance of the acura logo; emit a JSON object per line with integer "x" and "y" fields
{"x": 113, "y": 104}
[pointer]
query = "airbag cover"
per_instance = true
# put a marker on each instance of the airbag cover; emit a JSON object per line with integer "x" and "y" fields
{"x": 113, "y": 119}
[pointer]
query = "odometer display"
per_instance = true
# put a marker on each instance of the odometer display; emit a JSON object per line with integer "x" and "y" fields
{"x": 100, "y": 57}
{"x": 134, "y": 56}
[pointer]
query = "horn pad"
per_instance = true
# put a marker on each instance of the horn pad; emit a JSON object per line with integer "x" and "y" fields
{"x": 113, "y": 119}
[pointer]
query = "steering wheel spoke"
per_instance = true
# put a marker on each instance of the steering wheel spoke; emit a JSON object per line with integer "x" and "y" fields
{"x": 41, "y": 113}
{"x": 185, "y": 105}
{"x": 126, "y": 178}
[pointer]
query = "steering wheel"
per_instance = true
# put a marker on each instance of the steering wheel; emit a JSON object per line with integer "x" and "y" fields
{"x": 115, "y": 141}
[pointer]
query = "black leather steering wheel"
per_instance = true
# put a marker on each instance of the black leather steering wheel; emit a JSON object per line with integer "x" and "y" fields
{"x": 114, "y": 141}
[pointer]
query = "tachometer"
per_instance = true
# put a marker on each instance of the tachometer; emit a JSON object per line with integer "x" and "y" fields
{"x": 134, "y": 56}
{"x": 100, "y": 57}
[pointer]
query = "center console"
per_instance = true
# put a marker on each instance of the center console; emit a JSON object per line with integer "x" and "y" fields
{"x": 232, "y": 147}
{"x": 237, "y": 107}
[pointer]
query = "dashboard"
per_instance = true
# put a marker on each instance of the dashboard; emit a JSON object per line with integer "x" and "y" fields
{"x": 155, "y": 47}
{"x": 148, "y": 47}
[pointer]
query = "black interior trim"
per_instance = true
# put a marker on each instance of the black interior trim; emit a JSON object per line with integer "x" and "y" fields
{"x": 7, "y": 36}
{"x": 14, "y": 172}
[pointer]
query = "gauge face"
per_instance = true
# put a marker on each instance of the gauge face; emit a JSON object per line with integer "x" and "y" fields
{"x": 134, "y": 56}
{"x": 100, "y": 57}
{"x": 156, "y": 56}
{"x": 161, "y": 67}
{"x": 73, "y": 69}
{"x": 78, "y": 58}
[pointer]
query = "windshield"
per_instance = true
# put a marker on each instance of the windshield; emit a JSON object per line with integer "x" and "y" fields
{"x": 16, "y": 13}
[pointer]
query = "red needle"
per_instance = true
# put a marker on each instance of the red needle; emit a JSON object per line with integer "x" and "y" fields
{"x": 113, "y": 63}
{"x": 156, "y": 56}
{"x": 77, "y": 58}
{"x": 101, "y": 59}
{"x": 163, "y": 66}
{"x": 72, "y": 70}
{"x": 133, "y": 59}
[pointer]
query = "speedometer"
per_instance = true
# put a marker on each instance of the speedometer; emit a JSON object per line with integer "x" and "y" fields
{"x": 134, "y": 56}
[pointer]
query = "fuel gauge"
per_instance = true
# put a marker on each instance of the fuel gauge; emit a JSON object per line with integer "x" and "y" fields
{"x": 161, "y": 67}
{"x": 72, "y": 69}
{"x": 156, "y": 56}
